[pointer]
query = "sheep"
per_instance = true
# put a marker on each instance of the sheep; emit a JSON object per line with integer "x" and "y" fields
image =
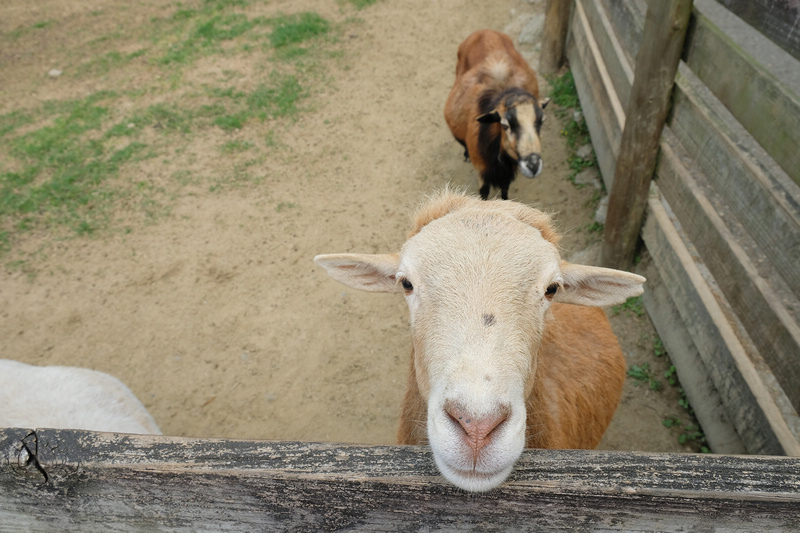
{"x": 65, "y": 397}
{"x": 509, "y": 346}
{"x": 494, "y": 111}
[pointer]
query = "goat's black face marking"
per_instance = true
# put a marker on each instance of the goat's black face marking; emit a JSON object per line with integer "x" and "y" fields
{"x": 539, "y": 119}
{"x": 488, "y": 320}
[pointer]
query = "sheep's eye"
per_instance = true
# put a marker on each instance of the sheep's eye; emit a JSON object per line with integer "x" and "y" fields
{"x": 551, "y": 291}
{"x": 407, "y": 286}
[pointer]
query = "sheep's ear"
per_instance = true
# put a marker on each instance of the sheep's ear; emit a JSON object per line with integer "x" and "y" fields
{"x": 367, "y": 272}
{"x": 489, "y": 118}
{"x": 597, "y": 286}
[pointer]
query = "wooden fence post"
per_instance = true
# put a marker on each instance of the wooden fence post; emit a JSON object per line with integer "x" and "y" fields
{"x": 656, "y": 63}
{"x": 554, "y": 37}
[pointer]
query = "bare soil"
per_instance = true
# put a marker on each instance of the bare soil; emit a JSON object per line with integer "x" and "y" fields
{"x": 212, "y": 311}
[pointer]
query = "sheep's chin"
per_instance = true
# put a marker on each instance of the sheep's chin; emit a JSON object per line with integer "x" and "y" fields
{"x": 473, "y": 481}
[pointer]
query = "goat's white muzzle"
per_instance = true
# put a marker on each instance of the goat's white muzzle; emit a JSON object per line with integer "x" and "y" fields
{"x": 531, "y": 166}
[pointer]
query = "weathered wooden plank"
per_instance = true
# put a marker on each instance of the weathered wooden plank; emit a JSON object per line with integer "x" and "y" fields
{"x": 106, "y": 482}
{"x": 602, "y": 109}
{"x": 695, "y": 379}
{"x": 627, "y": 18}
{"x": 776, "y": 19}
{"x": 554, "y": 36}
{"x": 763, "y": 197}
{"x": 732, "y": 255}
{"x": 656, "y": 63}
{"x": 745, "y": 85}
{"x": 619, "y": 68}
{"x": 739, "y": 374}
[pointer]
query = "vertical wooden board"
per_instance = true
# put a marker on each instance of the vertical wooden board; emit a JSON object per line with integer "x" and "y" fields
{"x": 694, "y": 378}
{"x": 750, "y": 406}
{"x": 554, "y": 36}
{"x": 774, "y": 332}
{"x": 766, "y": 205}
{"x": 627, "y": 18}
{"x": 620, "y": 69}
{"x": 657, "y": 62}
{"x": 601, "y": 108}
{"x": 763, "y": 105}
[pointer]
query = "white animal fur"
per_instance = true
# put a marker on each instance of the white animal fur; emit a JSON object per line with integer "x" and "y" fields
{"x": 479, "y": 306}
{"x": 65, "y": 397}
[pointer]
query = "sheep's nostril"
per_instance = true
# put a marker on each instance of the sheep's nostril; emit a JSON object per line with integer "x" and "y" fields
{"x": 477, "y": 430}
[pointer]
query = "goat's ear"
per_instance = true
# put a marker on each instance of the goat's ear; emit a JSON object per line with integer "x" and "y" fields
{"x": 489, "y": 118}
{"x": 597, "y": 286}
{"x": 543, "y": 103}
{"x": 367, "y": 272}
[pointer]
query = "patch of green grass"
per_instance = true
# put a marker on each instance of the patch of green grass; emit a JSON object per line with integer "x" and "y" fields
{"x": 632, "y": 307}
{"x": 658, "y": 347}
{"x": 13, "y": 120}
{"x": 278, "y": 99}
{"x": 61, "y": 169}
{"x": 564, "y": 93}
{"x": 236, "y": 146}
{"x": 210, "y": 30}
{"x": 296, "y": 28}
{"x": 58, "y": 161}
{"x": 361, "y": 4}
{"x": 108, "y": 62}
{"x": 285, "y": 205}
{"x": 671, "y": 376}
{"x": 689, "y": 432}
{"x": 643, "y": 374}
{"x": 596, "y": 227}
{"x": 231, "y": 122}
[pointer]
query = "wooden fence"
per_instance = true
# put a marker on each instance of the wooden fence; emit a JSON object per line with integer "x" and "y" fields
{"x": 67, "y": 480}
{"x": 722, "y": 217}
{"x": 723, "y": 285}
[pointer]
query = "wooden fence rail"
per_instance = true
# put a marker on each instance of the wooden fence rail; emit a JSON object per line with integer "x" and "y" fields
{"x": 723, "y": 214}
{"x": 67, "y": 480}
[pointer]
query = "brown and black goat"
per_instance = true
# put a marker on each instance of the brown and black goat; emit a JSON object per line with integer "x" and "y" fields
{"x": 494, "y": 110}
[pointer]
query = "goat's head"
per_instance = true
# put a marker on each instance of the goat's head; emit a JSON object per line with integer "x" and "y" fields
{"x": 479, "y": 278}
{"x": 520, "y": 117}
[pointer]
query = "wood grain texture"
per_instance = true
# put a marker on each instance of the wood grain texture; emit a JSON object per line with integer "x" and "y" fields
{"x": 763, "y": 199}
{"x": 602, "y": 109}
{"x": 738, "y": 265}
{"x": 695, "y": 379}
{"x": 739, "y": 374}
{"x": 107, "y": 482}
{"x": 610, "y": 48}
{"x": 627, "y": 19}
{"x": 554, "y": 36}
{"x": 742, "y": 79}
{"x": 656, "y": 63}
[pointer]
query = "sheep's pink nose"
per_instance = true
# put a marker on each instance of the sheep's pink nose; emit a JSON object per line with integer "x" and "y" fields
{"x": 477, "y": 430}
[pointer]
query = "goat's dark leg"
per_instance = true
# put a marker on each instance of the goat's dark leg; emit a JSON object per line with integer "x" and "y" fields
{"x": 466, "y": 152}
{"x": 504, "y": 193}
{"x": 485, "y": 191}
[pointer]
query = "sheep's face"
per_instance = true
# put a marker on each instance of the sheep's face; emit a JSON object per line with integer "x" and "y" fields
{"x": 478, "y": 285}
{"x": 479, "y": 278}
{"x": 520, "y": 118}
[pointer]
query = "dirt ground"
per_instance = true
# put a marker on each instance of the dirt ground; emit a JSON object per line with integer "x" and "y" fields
{"x": 214, "y": 313}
